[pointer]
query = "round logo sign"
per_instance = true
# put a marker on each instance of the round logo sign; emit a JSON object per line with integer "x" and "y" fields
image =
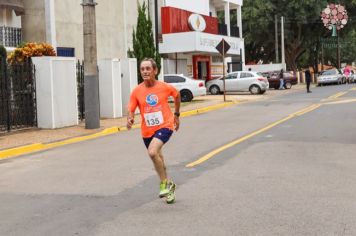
{"x": 197, "y": 22}
{"x": 152, "y": 100}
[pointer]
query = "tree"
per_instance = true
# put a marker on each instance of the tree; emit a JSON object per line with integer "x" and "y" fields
{"x": 143, "y": 42}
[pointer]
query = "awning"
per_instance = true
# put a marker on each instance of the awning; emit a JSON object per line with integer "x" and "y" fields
{"x": 193, "y": 41}
{"x": 16, "y": 5}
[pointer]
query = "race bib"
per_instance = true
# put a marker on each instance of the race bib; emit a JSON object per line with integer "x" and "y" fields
{"x": 153, "y": 118}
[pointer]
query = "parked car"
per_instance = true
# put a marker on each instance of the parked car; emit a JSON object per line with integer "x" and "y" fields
{"x": 188, "y": 88}
{"x": 353, "y": 77}
{"x": 333, "y": 76}
{"x": 239, "y": 81}
{"x": 273, "y": 79}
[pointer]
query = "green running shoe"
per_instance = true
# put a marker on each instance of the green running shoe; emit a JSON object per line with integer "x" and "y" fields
{"x": 171, "y": 196}
{"x": 163, "y": 189}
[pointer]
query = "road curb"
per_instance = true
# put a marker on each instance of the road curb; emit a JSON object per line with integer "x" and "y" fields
{"x": 27, "y": 149}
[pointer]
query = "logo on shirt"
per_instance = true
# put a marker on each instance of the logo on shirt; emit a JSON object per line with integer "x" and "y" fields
{"x": 152, "y": 100}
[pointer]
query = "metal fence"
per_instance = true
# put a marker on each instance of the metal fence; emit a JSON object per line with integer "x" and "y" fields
{"x": 10, "y": 36}
{"x": 80, "y": 84}
{"x": 17, "y": 96}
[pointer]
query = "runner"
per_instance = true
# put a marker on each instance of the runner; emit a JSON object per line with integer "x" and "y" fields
{"x": 158, "y": 121}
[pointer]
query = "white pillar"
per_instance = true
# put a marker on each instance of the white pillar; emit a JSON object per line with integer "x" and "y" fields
{"x": 227, "y": 17}
{"x": 129, "y": 80}
{"x": 110, "y": 88}
{"x": 50, "y": 17}
{"x": 56, "y": 92}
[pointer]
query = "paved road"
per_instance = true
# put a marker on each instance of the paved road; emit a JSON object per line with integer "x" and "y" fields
{"x": 296, "y": 178}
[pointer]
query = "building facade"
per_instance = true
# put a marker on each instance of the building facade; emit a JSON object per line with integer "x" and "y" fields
{"x": 10, "y": 23}
{"x": 60, "y": 23}
{"x": 189, "y": 32}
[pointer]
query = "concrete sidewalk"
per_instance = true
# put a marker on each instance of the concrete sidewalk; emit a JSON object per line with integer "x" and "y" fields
{"x": 45, "y": 136}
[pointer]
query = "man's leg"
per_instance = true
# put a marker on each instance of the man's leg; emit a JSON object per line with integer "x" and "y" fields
{"x": 154, "y": 151}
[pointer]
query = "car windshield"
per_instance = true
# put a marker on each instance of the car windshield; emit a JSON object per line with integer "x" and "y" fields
{"x": 328, "y": 72}
{"x": 260, "y": 74}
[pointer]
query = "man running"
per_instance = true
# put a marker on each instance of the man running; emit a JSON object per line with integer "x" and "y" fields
{"x": 158, "y": 121}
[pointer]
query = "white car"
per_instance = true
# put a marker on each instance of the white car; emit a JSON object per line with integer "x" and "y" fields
{"x": 242, "y": 81}
{"x": 188, "y": 88}
{"x": 332, "y": 76}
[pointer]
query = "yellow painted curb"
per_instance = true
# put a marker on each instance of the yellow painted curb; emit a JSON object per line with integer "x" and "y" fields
{"x": 12, "y": 152}
{"x": 21, "y": 150}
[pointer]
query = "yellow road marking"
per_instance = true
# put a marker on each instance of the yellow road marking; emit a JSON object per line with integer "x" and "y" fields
{"x": 8, "y": 153}
{"x": 353, "y": 89}
{"x": 337, "y": 95}
{"x": 341, "y": 101}
{"x": 240, "y": 140}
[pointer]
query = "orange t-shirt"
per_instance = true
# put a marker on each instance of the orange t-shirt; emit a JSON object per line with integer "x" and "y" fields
{"x": 153, "y": 104}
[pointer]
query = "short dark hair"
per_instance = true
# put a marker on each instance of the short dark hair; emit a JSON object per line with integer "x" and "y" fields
{"x": 153, "y": 62}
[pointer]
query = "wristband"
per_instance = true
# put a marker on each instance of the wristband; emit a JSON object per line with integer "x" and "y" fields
{"x": 177, "y": 114}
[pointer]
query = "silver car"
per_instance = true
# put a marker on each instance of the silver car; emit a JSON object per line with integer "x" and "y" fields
{"x": 239, "y": 81}
{"x": 332, "y": 76}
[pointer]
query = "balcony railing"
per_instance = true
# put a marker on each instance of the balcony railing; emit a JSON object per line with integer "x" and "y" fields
{"x": 234, "y": 30}
{"x": 10, "y": 36}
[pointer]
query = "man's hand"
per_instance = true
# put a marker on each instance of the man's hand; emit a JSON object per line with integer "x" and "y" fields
{"x": 176, "y": 123}
{"x": 130, "y": 122}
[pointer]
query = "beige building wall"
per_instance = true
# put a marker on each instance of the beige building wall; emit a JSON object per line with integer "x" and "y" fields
{"x": 33, "y": 21}
{"x": 115, "y": 21}
{"x": 9, "y": 18}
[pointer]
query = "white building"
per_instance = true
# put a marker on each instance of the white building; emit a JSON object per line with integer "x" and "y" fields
{"x": 190, "y": 31}
{"x": 60, "y": 23}
{"x": 10, "y": 23}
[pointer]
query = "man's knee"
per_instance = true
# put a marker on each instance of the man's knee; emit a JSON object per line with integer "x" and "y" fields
{"x": 153, "y": 153}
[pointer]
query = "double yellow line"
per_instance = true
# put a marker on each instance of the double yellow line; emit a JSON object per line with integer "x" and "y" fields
{"x": 336, "y": 95}
{"x": 244, "y": 138}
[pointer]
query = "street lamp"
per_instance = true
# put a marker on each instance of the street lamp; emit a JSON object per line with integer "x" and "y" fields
{"x": 91, "y": 80}
{"x": 335, "y": 17}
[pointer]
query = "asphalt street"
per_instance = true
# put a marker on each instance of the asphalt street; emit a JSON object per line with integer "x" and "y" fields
{"x": 297, "y": 176}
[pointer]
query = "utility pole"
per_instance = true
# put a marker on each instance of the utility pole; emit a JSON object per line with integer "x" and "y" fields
{"x": 282, "y": 42}
{"x": 276, "y": 37}
{"x": 156, "y": 24}
{"x": 91, "y": 79}
{"x": 338, "y": 51}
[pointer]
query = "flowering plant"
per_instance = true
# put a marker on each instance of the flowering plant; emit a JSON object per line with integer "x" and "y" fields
{"x": 28, "y": 50}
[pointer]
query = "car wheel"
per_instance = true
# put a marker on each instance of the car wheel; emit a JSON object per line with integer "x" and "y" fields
{"x": 288, "y": 85}
{"x": 214, "y": 90}
{"x": 254, "y": 89}
{"x": 186, "y": 96}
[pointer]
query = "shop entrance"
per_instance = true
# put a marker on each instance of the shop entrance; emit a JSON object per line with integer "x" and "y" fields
{"x": 202, "y": 67}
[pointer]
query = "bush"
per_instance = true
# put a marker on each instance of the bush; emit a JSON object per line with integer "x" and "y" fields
{"x": 28, "y": 50}
{"x": 3, "y": 53}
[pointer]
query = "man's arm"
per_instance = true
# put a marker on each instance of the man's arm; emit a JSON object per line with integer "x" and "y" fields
{"x": 176, "y": 111}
